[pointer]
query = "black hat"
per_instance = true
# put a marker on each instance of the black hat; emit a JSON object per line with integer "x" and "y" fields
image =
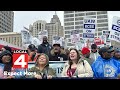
{"x": 8, "y": 48}
{"x": 32, "y": 47}
{"x": 6, "y": 52}
{"x": 56, "y": 44}
{"x": 93, "y": 46}
{"x": 105, "y": 49}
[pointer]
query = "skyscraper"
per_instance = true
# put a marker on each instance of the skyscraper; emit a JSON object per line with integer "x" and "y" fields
{"x": 54, "y": 28}
{"x": 73, "y": 20}
{"x": 37, "y": 27}
{"x": 6, "y": 21}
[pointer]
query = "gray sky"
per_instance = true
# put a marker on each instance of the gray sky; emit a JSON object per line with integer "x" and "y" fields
{"x": 25, "y": 18}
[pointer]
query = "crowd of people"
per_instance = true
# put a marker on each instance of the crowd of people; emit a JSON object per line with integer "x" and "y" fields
{"x": 91, "y": 62}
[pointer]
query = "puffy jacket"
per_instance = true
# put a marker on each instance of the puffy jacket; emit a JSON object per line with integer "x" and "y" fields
{"x": 83, "y": 69}
{"x": 105, "y": 68}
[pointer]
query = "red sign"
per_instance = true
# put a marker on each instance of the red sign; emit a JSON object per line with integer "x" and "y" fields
{"x": 98, "y": 41}
{"x": 20, "y": 60}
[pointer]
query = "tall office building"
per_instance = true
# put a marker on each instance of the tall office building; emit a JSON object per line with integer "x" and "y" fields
{"x": 6, "y": 21}
{"x": 73, "y": 20}
{"x": 54, "y": 28}
{"x": 37, "y": 27}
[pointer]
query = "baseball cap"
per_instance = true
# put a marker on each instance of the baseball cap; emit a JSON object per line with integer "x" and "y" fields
{"x": 56, "y": 44}
{"x": 105, "y": 49}
{"x": 32, "y": 47}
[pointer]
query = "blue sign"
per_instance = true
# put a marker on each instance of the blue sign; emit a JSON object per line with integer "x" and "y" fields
{"x": 116, "y": 28}
{"x": 88, "y": 35}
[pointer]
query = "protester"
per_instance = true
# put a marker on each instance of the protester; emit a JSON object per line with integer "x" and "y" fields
{"x": 42, "y": 69}
{"x": 6, "y": 59}
{"x": 76, "y": 66}
{"x": 57, "y": 54}
{"x": 86, "y": 53}
{"x": 7, "y": 48}
{"x": 94, "y": 52}
{"x": 117, "y": 54}
{"x": 45, "y": 47}
{"x": 31, "y": 52}
{"x": 105, "y": 66}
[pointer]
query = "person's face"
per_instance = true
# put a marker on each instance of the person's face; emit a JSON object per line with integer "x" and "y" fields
{"x": 42, "y": 60}
{"x": 112, "y": 54}
{"x": 3, "y": 49}
{"x": 107, "y": 55}
{"x": 6, "y": 58}
{"x": 117, "y": 55}
{"x": 56, "y": 48}
{"x": 73, "y": 55}
{"x": 93, "y": 50}
{"x": 87, "y": 55}
{"x": 44, "y": 39}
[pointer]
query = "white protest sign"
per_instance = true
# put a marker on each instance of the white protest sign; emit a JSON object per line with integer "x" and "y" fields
{"x": 35, "y": 41}
{"x": 57, "y": 40}
{"x": 75, "y": 37}
{"x": 115, "y": 30}
{"x": 89, "y": 28}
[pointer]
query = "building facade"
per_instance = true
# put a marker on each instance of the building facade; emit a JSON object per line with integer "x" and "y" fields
{"x": 54, "y": 28}
{"x": 6, "y": 21}
{"x": 37, "y": 27}
{"x": 12, "y": 38}
{"x": 73, "y": 20}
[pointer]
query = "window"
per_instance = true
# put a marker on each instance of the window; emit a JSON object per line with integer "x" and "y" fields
{"x": 72, "y": 27}
{"x": 91, "y": 16}
{"x": 100, "y": 33}
{"x": 80, "y": 18}
{"x": 102, "y": 25}
{"x": 81, "y": 31}
{"x": 104, "y": 20}
{"x": 69, "y": 40}
{"x": 67, "y": 32}
{"x": 100, "y": 29}
{"x": 70, "y": 19}
{"x": 77, "y": 27}
{"x": 102, "y": 16}
{"x": 77, "y": 23}
{"x": 67, "y": 36}
{"x": 68, "y": 12}
{"x": 79, "y": 14}
{"x": 91, "y": 13}
{"x": 71, "y": 23}
{"x": 70, "y": 15}
{"x": 102, "y": 12}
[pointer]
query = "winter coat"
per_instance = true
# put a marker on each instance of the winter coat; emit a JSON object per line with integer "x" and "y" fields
{"x": 59, "y": 57}
{"x": 83, "y": 69}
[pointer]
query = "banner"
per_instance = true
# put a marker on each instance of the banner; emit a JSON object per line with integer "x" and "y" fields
{"x": 41, "y": 34}
{"x": 57, "y": 40}
{"x": 115, "y": 30}
{"x": 75, "y": 37}
{"x": 56, "y": 65}
{"x": 89, "y": 27}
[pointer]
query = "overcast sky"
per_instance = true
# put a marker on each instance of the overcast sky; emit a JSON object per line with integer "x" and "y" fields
{"x": 25, "y": 18}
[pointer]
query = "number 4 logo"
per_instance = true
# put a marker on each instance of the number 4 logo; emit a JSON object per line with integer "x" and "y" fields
{"x": 20, "y": 60}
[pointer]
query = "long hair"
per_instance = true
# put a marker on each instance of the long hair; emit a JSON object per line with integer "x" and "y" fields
{"x": 78, "y": 57}
{"x": 47, "y": 58}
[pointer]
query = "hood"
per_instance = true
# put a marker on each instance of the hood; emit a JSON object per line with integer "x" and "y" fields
{"x": 6, "y": 52}
{"x": 53, "y": 53}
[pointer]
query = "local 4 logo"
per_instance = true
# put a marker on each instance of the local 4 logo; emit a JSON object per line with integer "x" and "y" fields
{"x": 20, "y": 59}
